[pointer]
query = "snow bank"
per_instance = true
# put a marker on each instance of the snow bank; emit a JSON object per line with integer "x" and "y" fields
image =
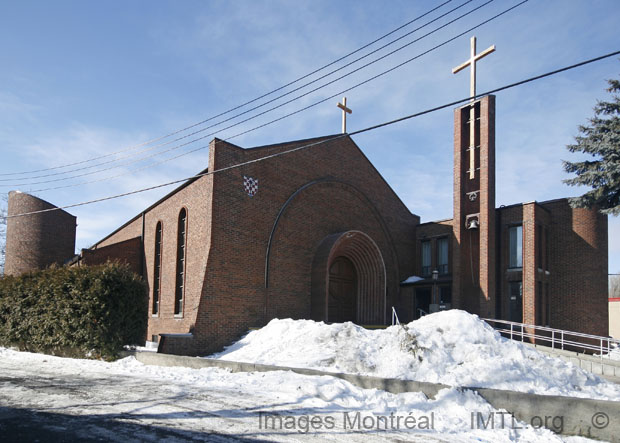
{"x": 451, "y": 347}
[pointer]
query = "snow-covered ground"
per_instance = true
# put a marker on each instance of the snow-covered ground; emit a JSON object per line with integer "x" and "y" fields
{"x": 128, "y": 401}
{"x": 451, "y": 347}
{"x": 615, "y": 353}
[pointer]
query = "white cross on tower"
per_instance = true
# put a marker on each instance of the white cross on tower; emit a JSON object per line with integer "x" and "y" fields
{"x": 345, "y": 111}
{"x": 472, "y": 92}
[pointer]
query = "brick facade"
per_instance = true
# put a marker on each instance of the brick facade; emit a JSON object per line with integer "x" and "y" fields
{"x": 251, "y": 259}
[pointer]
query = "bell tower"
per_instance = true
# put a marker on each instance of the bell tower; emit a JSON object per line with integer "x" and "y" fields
{"x": 473, "y": 270}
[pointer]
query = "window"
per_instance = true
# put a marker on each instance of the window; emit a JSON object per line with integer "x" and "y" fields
{"x": 515, "y": 234}
{"x": 181, "y": 252}
{"x": 539, "y": 304}
{"x": 539, "y": 235}
{"x": 546, "y": 267}
{"x": 157, "y": 270}
{"x": 426, "y": 258}
{"x": 442, "y": 255}
{"x": 547, "y": 306}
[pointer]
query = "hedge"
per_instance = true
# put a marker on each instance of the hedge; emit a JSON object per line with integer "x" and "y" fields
{"x": 85, "y": 311}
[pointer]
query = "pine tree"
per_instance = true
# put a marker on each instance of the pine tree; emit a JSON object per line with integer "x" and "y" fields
{"x": 601, "y": 139}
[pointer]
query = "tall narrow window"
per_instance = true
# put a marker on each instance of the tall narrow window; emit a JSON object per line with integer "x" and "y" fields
{"x": 426, "y": 258}
{"x": 157, "y": 270}
{"x": 539, "y": 304}
{"x": 181, "y": 252}
{"x": 539, "y": 242}
{"x": 442, "y": 255}
{"x": 516, "y": 247}
{"x": 547, "y": 306}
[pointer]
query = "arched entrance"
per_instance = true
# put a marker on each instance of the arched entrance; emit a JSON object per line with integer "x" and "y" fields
{"x": 342, "y": 299}
{"x": 348, "y": 280}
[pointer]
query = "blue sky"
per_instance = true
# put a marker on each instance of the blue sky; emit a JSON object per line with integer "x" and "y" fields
{"x": 82, "y": 79}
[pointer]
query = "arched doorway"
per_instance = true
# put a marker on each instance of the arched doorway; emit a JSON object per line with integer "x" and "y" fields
{"x": 349, "y": 280}
{"x": 342, "y": 300}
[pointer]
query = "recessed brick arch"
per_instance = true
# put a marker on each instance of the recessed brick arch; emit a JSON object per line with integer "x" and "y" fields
{"x": 370, "y": 272}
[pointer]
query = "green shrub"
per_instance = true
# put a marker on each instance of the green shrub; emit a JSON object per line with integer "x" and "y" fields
{"x": 81, "y": 311}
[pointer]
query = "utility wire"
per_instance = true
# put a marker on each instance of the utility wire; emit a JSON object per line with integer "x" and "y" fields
{"x": 238, "y": 106}
{"x": 251, "y": 109}
{"x": 280, "y": 105}
{"x": 299, "y": 148}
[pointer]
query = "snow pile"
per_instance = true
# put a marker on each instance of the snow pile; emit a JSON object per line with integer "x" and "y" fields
{"x": 451, "y": 347}
{"x": 412, "y": 279}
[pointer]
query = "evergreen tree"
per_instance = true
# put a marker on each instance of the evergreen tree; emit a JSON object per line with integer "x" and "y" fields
{"x": 600, "y": 139}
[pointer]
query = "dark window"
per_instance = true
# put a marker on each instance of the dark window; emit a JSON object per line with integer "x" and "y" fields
{"x": 442, "y": 255}
{"x": 426, "y": 258}
{"x": 515, "y": 235}
{"x": 547, "y": 306}
{"x": 157, "y": 270}
{"x": 539, "y": 304}
{"x": 539, "y": 233}
{"x": 181, "y": 253}
{"x": 546, "y": 249}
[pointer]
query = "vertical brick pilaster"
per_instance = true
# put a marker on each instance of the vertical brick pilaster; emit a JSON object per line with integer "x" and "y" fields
{"x": 529, "y": 263}
{"x": 487, "y": 206}
{"x": 457, "y": 227}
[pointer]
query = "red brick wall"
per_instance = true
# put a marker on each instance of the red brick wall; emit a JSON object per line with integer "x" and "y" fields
{"x": 578, "y": 268}
{"x": 38, "y": 240}
{"x": 128, "y": 251}
{"x": 196, "y": 199}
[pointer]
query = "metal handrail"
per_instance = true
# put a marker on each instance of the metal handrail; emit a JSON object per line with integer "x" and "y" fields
{"x": 557, "y": 338}
{"x": 395, "y": 320}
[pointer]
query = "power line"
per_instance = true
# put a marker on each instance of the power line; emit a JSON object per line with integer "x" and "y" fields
{"x": 246, "y": 111}
{"x": 238, "y": 106}
{"x": 299, "y": 148}
{"x": 280, "y": 105}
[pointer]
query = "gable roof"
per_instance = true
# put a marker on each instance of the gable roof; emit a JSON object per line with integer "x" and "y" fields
{"x": 289, "y": 144}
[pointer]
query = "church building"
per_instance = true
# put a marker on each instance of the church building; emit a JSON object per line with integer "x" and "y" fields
{"x": 313, "y": 231}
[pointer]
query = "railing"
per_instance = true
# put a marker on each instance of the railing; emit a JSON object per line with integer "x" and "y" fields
{"x": 556, "y": 338}
{"x": 395, "y": 320}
